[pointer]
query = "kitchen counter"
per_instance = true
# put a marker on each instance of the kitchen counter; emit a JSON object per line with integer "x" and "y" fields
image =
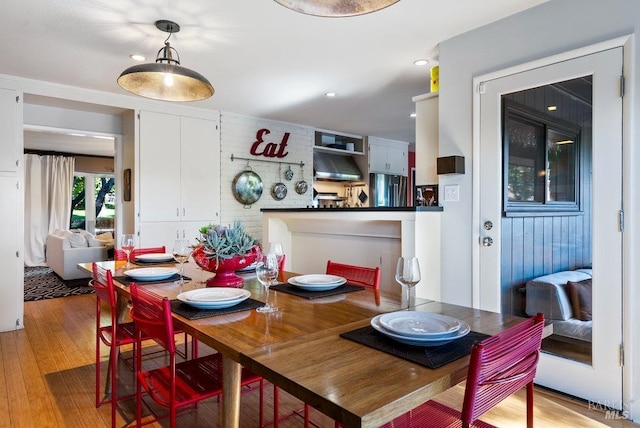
{"x": 360, "y": 236}
{"x": 358, "y": 209}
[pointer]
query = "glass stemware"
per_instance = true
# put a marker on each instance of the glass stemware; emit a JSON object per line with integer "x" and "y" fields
{"x": 276, "y": 248}
{"x": 408, "y": 275}
{"x": 127, "y": 244}
{"x": 181, "y": 251}
{"x": 267, "y": 272}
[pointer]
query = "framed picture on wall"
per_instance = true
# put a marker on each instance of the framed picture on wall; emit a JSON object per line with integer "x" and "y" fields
{"x": 126, "y": 181}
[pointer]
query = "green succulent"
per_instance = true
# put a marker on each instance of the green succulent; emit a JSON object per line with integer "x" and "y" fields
{"x": 225, "y": 242}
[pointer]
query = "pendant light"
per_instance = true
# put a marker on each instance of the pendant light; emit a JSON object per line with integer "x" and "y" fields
{"x": 166, "y": 79}
{"x": 336, "y": 8}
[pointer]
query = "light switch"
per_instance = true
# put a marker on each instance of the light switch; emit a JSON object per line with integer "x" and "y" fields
{"x": 452, "y": 193}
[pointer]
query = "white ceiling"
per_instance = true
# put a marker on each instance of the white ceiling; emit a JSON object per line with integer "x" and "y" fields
{"x": 263, "y": 60}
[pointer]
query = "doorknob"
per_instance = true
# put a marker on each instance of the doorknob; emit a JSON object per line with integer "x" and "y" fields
{"x": 487, "y": 241}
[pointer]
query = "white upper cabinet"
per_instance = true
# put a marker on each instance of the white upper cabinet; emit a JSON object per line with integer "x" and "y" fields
{"x": 388, "y": 156}
{"x": 8, "y": 137}
{"x": 179, "y": 177}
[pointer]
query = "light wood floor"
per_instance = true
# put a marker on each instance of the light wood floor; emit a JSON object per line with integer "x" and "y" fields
{"x": 47, "y": 380}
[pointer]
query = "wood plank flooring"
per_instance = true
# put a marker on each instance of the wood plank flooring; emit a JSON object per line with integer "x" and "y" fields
{"x": 47, "y": 380}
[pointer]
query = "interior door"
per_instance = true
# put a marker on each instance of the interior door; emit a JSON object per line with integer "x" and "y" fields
{"x": 602, "y": 202}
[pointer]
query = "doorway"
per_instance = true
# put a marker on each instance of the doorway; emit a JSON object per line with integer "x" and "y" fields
{"x": 549, "y": 200}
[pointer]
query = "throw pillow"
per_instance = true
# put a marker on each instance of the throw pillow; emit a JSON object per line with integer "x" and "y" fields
{"x": 106, "y": 236}
{"x": 93, "y": 242}
{"x": 580, "y": 297}
{"x": 76, "y": 240}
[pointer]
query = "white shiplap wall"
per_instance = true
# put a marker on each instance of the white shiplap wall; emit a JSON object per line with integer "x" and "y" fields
{"x": 237, "y": 134}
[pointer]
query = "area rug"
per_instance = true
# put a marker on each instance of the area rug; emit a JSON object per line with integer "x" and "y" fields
{"x": 40, "y": 282}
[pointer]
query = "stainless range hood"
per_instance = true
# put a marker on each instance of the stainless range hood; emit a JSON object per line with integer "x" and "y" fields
{"x": 327, "y": 166}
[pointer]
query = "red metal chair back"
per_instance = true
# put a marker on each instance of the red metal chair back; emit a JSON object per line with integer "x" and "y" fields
{"x": 121, "y": 255}
{"x": 102, "y": 284}
{"x": 355, "y": 275}
{"x": 152, "y": 315}
{"x": 500, "y": 366}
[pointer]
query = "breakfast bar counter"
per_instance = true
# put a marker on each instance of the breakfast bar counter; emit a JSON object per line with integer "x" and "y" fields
{"x": 360, "y": 236}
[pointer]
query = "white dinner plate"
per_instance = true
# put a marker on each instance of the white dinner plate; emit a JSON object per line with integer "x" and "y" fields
{"x": 213, "y": 304}
{"x": 155, "y": 257}
{"x": 151, "y": 274}
{"x": 215, "y": 294}
{"x": 420, "y": 324}
{"x": 420, "y": 341}
{"x": 319, "y": 279}
{"x": 316, "y": 287}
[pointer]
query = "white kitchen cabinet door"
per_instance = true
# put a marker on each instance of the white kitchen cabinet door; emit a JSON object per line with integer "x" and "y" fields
{"x": 8, "y": 137}
{"x": 387, "y": 156}
{"x": 158, "y": 233}
{"x": 397, "y": 160}
{"x": 200, "y": 169}
{"x": 378, "y": 159}
{"x": 159, "y": 175}
{"x": 11, "y": 262}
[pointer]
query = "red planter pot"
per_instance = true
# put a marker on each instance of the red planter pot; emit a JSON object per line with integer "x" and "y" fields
{"x": 225, "y": 272}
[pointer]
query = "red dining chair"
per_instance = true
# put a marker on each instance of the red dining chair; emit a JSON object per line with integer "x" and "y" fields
{"x": 499, "y": 366}
{"x": 119, "y": 254}
{"x": 355, "y": 275}
{"x": 177, "y": 385}
{"x": 113, "y": 334}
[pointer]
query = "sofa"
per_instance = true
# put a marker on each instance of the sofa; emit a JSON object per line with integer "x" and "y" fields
{"x": 565, "y": 299}
{"x": 65, "y": 249}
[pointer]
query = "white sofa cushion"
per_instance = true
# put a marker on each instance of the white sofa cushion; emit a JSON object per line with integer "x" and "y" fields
{"x": 547, "y": 294}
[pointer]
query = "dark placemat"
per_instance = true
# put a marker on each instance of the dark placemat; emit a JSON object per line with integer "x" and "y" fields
{"x": 191, "y": 313}
{"x": 127, "y": 280}
{"x": 290, "y": 289}
{"x": 431, "y": 357}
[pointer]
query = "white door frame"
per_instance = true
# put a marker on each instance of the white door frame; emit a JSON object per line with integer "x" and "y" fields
{"x": 631, "y": 408}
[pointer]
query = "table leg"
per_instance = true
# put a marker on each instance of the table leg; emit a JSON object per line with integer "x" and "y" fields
{"x": 231, "y": 371}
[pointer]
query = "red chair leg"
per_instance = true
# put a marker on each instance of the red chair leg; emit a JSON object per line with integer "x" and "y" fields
{"x": 530, "y": 405}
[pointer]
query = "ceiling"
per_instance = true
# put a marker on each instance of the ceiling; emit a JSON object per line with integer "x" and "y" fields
{"x": 263, "y": 60}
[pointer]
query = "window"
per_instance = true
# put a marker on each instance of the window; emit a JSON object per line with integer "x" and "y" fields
{"x": 541, "y": 167}
{"x": 93, "y": 206}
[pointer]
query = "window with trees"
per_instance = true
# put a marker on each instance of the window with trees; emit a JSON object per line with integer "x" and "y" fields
{"x": 93, "y": 203}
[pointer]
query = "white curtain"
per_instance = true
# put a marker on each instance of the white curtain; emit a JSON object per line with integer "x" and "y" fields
{"x": 47, "y": 202}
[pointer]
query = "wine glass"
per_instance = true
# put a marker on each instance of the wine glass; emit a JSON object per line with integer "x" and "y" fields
{"x": 181, "y": 252}
{"x": 267, "y": 272}
{"x": 408, "y": 275}
{"x": 127, "y": 244}
{"x": 276, "y": 248}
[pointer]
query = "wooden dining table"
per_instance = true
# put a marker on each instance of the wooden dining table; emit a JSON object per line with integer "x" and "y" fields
{"x": 299, "y": 349}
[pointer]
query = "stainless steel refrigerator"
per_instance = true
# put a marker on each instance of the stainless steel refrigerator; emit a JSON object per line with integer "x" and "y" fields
{"x": 388, "y": 190}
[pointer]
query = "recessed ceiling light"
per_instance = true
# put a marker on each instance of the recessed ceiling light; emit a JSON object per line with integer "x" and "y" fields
{"x": 330, "y": 94}
{"x": 552, "y": 108}
{"x": 421, "y": 62}
{"x": 412, "y": 115}
{"x": 137, "y": 57}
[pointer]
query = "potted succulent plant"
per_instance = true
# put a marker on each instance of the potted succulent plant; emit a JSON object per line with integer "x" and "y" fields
{"x": 225, "y": 249}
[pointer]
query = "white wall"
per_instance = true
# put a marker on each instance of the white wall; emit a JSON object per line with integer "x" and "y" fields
{"x": 237, "y": 134}
{"x": 551, "y": 28}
